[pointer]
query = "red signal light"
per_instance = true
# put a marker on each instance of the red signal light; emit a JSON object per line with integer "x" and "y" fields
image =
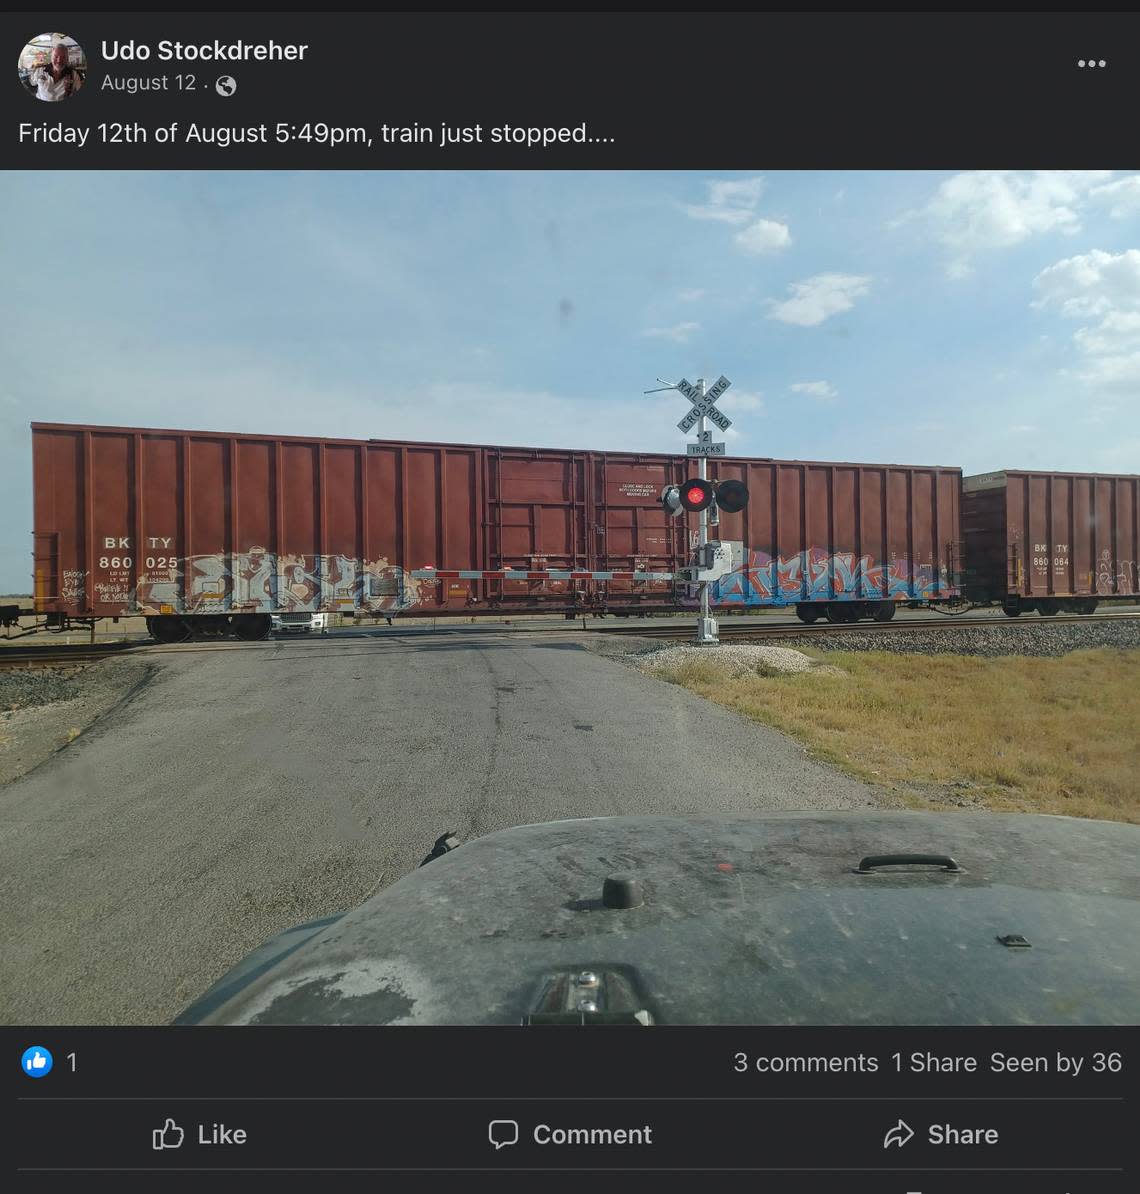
{"x": 696, "y": 494}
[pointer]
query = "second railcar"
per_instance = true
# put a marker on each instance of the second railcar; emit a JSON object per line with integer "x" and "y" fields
{"x": 215, "y": 533}
{"x": 1050, "y": 541}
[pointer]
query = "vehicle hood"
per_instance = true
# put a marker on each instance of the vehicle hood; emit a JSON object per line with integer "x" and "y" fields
{"x": 759, "y": 919}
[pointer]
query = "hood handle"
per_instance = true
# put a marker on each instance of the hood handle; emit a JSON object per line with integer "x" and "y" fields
{"x": 867, "y": 865}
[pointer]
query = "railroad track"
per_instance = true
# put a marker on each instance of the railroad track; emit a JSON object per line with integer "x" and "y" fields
{"x": 60, "y": 656}
{"x": 731, "y": 630}
{"x": 683, "y": 631}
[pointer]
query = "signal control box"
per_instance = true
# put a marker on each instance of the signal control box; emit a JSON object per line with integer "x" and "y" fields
{"x": 714, "y": 561}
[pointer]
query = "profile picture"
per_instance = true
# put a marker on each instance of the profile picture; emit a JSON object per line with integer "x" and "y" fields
{"x": 53, "y": 66}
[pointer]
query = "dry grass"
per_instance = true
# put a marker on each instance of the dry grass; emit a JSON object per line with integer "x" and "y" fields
{"x": 1014, "y": 733}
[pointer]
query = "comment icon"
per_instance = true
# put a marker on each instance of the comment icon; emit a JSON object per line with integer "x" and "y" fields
{"x": 502, "y": 1132}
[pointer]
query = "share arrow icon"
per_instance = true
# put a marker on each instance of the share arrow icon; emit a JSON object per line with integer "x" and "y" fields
{"x": 899, "y": 1134}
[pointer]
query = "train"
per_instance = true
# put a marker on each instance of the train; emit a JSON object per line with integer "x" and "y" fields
{"x": 212, "y": 533}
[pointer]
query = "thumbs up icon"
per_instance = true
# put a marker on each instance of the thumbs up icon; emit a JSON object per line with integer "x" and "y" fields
{"x": 170, "y": 1135}
{"x": 36, "y": 1061}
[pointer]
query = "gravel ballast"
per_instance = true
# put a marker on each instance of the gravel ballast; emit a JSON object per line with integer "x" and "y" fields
{"x": 735, "y": 658}
{"x": 974, "y": 638}
{"x": 44, "y": 709}
{"x": 1038, "y": 638}
{"x": 23, "y": 687}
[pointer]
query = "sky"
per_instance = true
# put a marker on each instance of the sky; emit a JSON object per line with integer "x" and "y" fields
{"x": 981, "y": 319}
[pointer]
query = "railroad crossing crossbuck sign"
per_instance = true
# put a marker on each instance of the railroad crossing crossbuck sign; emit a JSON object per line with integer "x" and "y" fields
{"x": 704, "y": 405}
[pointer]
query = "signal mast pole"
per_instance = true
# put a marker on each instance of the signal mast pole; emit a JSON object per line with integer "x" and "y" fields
{"x": 675, "y": 500}
{"x": 707, "y": 631}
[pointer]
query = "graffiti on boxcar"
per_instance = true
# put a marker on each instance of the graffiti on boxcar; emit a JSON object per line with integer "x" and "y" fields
{"x": 74, "y": 585}
{"x": 1104, "y": 572}
{"x": 1122, "y": 579}
{"x": 115, "y": 590}
{"x": 260, "y": 581}
{"x": 816, "y": 575}
{"x": 299, "y": 586}
{"x": 253, "y": 578}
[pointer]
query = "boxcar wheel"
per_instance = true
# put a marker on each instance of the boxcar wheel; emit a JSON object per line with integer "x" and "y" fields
{"x": 168, "y": 628}
{"x": 885, "y": 612}
{"x": 1048, "y": 608}
{"x": 251, "y": 627}
{"x": 841, "y": 612}
{"x": 808, "y": 613}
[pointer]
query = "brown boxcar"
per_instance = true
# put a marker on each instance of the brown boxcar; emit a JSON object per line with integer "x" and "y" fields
{"x": 235, "y": 527}
{"x": 1050, "y": 541}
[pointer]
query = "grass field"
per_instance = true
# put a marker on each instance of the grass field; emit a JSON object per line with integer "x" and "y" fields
{"x": 1058, "y": 735}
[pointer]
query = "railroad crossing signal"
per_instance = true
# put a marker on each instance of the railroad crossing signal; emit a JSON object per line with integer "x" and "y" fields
{"x": 698, "y": 494}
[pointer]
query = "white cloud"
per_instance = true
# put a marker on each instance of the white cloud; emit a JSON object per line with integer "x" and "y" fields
{"x": 1122, "y": 197}
{"x": 1116, "y": 373}
{"x": 732, "y": 201}
{"x": 824, "y": 391}
{"x": 983, "y": 210}
{"x": 1096, "y": 283}
{"x": 679, "y": 333}
{"x": 1021, "y": 429}
{"x": 818, "y": 298}
{"x": 764, "y": 236}
{"x": 742, "y": 400}
{"x": 1104, "y": 289}
{"x": 1117, "y": 331}
{"x": 691, "y": 296}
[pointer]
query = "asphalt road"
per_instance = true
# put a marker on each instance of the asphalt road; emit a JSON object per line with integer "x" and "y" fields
{"x": 248, "y": 789}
